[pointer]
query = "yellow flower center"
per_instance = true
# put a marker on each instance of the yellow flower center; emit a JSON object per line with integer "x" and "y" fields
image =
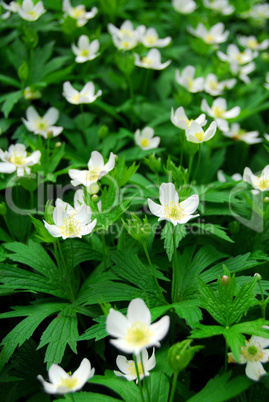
{"x": 33, "y": 14}
{"x": 132, "y": 370}
{"x": 78, "y": 12}
{"x": 209, "y": 38}
{"x": 262, "y": 183}
{"x": 17, "y": 159}
{"x": 218, "y": 111}
{"x": 252, "y": 43}
{"x": 252, "y": 352}
{"x": 76, "y": 98}
{"x": 240, "y": 57}
{"x": 71, "y": 227}
{"x": 144, "y": 142}
{"x": 138, "y": 334}
{"x": 69, "y": 382}
{"x": 187, "y": 121}
{"x": 41, "y": 124}
{"x": 84, "y": 52}
{"x": 93, "y": 174}
{"x": 146, "y": 61}
{"x": 174, "y": 211}
{"x": 213, "y": 84}
{"x": 126, "y": 32}
{"x": 190, "y": 83}
{"x": 200, "y": 135}
{"x": 150, "y": 39}
{"x": 125, "y": 44}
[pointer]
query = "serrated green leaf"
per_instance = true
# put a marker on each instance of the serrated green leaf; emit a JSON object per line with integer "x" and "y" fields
{"x": 242, "y": 301}
{"x": 167, "y": 236}
{"x": 11, "y": 99}
{"x": 206, "y": 331}
{"x": 88, "y": 396}
{"x": 214, "y": 229}
{"x": 234, "y": 340}
{"x": 189, "y": 310}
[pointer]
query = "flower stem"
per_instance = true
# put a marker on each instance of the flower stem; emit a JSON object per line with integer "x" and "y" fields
{"x": 174, "y": 384}
{"x": 175, "y": 270}
{"x": 198, "y": 162}
{"x": 138, "y": 378}
{"x": 130, "y": 85}
{"x": 190, "y": 165}
{"x": 143, "y": 370}
{"x": 226, "y": 356}
{"x": 71, "y": 293}
{"x": 72, "y": 396}
{"x": 263, "y": 305}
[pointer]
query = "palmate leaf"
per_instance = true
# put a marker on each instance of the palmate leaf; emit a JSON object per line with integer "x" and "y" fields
{"x": 213, "y": 229}
{"x": 25, "y": 329}
{"x": 167, "y": 236}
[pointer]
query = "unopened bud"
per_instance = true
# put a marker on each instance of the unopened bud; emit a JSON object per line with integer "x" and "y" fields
{"x": 225, "y": 280}
{"x": 95, "y": 198}
{"x": 258, "y": 276}
{"x": 58, "y": 144}
{"x": 180, "y": 354}
{"x": 266, "y": 200}
{"x": 93, "y": 188}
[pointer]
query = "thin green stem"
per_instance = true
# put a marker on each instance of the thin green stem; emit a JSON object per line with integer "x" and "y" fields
{"x": 198, "y": 162}
{"x": 130, "y": 85}
{"x": 143, "y": 370}
{"x": 175, "y": 271}
{"x": 173, "y": 390}
{"x": 153, "y": 271}
{"x": 263, "y": 305}
{"x": 67, "y": 275}
{"x": 138, "y": 378}
{"x": 182, "y": 149}
{"x": 190, "y": 166}
{"x": 146, "y": 81}
{"x": 226, "y": 356}
{"x": 72, "y": 396}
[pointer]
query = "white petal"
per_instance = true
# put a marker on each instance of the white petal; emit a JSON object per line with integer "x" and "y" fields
{"x": 111, "y": 163}
{"x": 84, "y": 372}
{"x": 147, "y": 132}
{"x": 96, "y": 160}
{"x": 49, "y": 388}
{"x": 6, "y": 167}
{"x": 83, "y": 214}
{"x": 69, "y": 91}
{"x": 53, "y": 229}
{"x": 151, "y": 363}
{"x": 116, "y": 323}
{"x": 160, "y": 328}
{"x": 254, "y": 370}
{"x": 168, "y": 193}
{"x": 190, "y": 204}
{"x": 51, "y": 116}
{"x": 122, "y": 364}
{"x": 56, "y": 373}
{"x": 247, "y": 175}
{"x": 155, "y": 209}
{"x": 32, "y": 114}
{"x": 234, "y": 112}
{"x": 138, "y": 311}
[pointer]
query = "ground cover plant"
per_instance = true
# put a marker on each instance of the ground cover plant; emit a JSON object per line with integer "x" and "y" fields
{"x": 134, "y": 201}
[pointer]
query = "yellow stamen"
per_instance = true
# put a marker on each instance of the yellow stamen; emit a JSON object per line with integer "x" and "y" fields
{"x": 218, "y": 111}
{"x": 125, "y": 44}
{"x": 69, "y": 382}
{"x": 132, "y": 370}
{"x": 144, "y": 142}
{"x": 262, "y": 183}
{"x": 190, "y": 83}
{"x": 200, "y": 135}
{"x": 209, "y": 38}
{"x": 93, "y": 174}
{"x": 150, "y": 39}
{"x": 174, "y": 211}
{"x": 76, "y": 98}
{"x": 33, "y": 14}
{"x": 71, "y": 227}
{"x": 84, "y": 52}
{"x": 252, "y": 43}
{"x": 188, "y": 122}
{"x": 146, "y": 61}
{"x": 213, "y": 84}
{"x": 17, "y": 159}
{"x": 138, "y": 334}
{"x": 78, "y": 12}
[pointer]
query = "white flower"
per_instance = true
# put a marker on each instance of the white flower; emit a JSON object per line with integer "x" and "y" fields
{"x": 171, "y": 209}
{"x": 219, "y": 112}
{"x": 254, "y": 354}
{"x": 222, "y": 178}
{"x": 266, "y": 85}
{"x": 62, "y": 382}
{"x": 245, "y": 70}
{"x": 79, "y": 13}
{"x": 86, "y": 95}
{"x": 125, "y": 37}
{"x": 127, "y": 367}
{"x": 69, "y": 221}
{"x": 30, "y": 12}
{"x": 85, "y": 50}
{"x": 197, "y": 135}
{"x": 258, "y": 182}
{"x": 187, "y": 80}
{"x": 258, "y": 11}
{"x": 213, "y": 36}
{"x": 252, "y": 43}
{"x": 184, "y": 6}
{"x": 144, "y": 138}
{"x": 12, "y": 7}
{"x": 152, "y": 60}
{"x": 135, "y": 332}
{"x": 42, "y": 125}
{"x": 220, "y": 6}
{"x": 180, "y": 119}
{"x": 31, "y": 93}
{"x": 150, "y": 38}
{"x": 96, "y": 169}
{"x": 237, "y": 133}
{"x": 16, "y": 159}
{"x": 236, "y": 58}
{"x": 213, "y": 87}
{"x": 266, "y": 136}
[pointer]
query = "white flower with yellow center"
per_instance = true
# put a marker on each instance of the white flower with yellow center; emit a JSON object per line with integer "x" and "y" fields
{"x": 258, "y": 11}
{"x": 144, "y": 139}
{"x": 180, "y": 119}
{"x": 220, "y": 6}
{"x": 85, "y": 50}
{"x": 253, "y": 354}
{"x": 12, "y": 7}
{"x": 236, "y": 58}
{"x": 214, "y": 87}
{"x": 96, "y": 169}
{"x": 258, "y": 182}
{"x": 86, "y": 95}
{"x": 184, "y": 6}
{"x": 197, "y": 135}
{"x": 62, "y": 382}
{"x": 30, "y": 12}
{"x": 16, "y": 159}
{"x": 238, "y": 134}
{"x": 69, "y": 221}
{"x": 252, "y": 43}
{"x": 171, "y": 209}
{"x": 135, "y": 332}
{"x": 125, "y": 37}
{"x": 186, "y": 79}
{"x": 127, "y": 367}
{"x": 79, "y": 13}
{"x": 42, "y": 125}
{"x": 213, "y": 36}
{"x": 150, "y": 38}
{"x": 151, "y": 61}
{"x": 219, "y": 112}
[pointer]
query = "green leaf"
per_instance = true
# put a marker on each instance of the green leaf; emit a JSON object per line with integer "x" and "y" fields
{"x": 88, "y": 396}
{"x": 189, "y": 310}
{"x": 10, "y": 81}
{"x": 10, "y": 101}
{"x": 43, "y": 233}
{"x": 216, "y": 230}
{"x": 167, "y": 236}
{"x": 206, "y": 331}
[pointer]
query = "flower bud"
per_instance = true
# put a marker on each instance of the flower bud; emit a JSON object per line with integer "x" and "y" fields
{"x": 225, "y": 280}
{"x": 266, "y": 200}
{"x": 93, "y": 188}
{"x": 180, "y": 355}
{"x": 139, "y": 230}
{"x": 58, "y": 144}
{"x": 95, "y": 198}
{"x": 103, "y": 131}
{"x": 258, "y": 276}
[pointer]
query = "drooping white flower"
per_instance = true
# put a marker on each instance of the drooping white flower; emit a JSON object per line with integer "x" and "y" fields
{"x": 171, "y": 209}
{"x": 213, "y": 36}
{"x": 150, "y": 38}
{"x": 125, "y": 37}
{"x": 220, "y": 6}
{"x": 135, "y": 332}
{"x": 180, "y": 119}
{"x": 253, "y": 354}
{"x": 30, "y": 93}
{"x": 258, "y": 11}
{"x": 266, "y": 85}
{"x": 64, "y": 383}
{"x": 86, "y": 95}
{"x": 197, "y": 135}
{"x": 16, "y": 159}
{"x": 70, "y": 222}
{"x": 127, "y": 367}
{"x": 152, "y": 60}
{"x": 258, "y": 182}
{"x": 186, "y": 79}
{"x": 252, "y": 43}
{"x": 85, "y": 50}
{"x": 144, "y": 139}
{"x": 30, "y": 11}
{"x": 222, "y": 178}
{"x": 96, "y": 169}
{"x": 12, "y": 7}
{"x": 42, "y": 125}
{"x": 236, "y": 58}
{"x": 184, "y": 6}
{"x": 219, "y": 112}
{"x": 214, "y": 87}
{"x": 237, "y": 133}
{"x": 79, "y": 13}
